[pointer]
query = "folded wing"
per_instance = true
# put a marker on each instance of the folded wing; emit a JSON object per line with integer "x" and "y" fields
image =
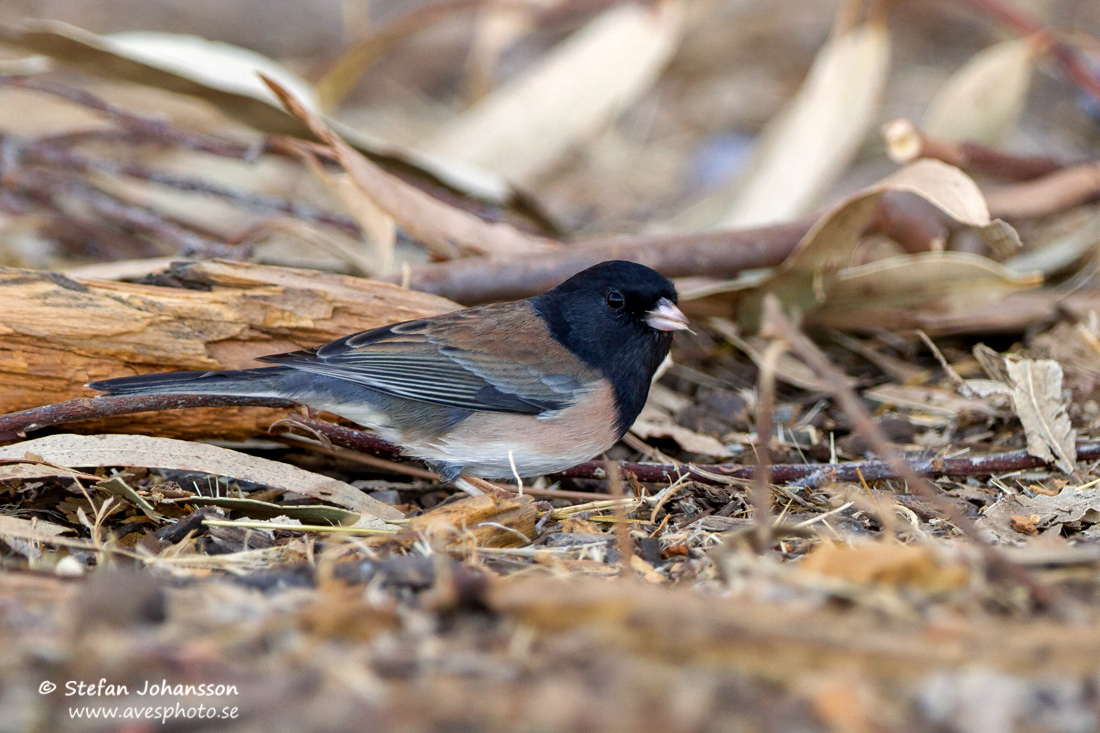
{"x": 495, "y": 358}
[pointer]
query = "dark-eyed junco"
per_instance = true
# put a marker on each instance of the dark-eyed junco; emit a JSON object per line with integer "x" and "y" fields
{"x": 540, "y": 384}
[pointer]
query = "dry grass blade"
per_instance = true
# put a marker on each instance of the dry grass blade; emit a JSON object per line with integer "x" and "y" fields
{"x": 447, "y": 232}
{"x": 378, "y": 228}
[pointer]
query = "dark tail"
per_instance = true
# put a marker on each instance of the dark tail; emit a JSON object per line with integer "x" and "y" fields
{"x": 265, "y": 382}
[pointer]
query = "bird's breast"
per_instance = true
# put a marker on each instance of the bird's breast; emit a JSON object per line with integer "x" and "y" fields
{"x": 487, "y": 443}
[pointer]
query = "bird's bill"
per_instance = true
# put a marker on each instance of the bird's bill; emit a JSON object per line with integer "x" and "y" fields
{"x": 667, "y": 317}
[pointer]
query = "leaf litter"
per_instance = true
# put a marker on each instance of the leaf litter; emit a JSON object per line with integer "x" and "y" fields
{"x": 341, "y": 587}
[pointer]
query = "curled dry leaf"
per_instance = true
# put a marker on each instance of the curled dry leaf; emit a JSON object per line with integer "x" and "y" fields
{"x": 1011, "y": 518}
{"x": 814, "y": 271}
{"x": 871, "y": 296}
{"x": 1038, "y": 402}
{"x": 983, "y": 101}
{"x": 446, "y": 231}
{"x": 190, "y": 74}
{"x": 524, "y": 127}
{"x": 812, "y": 141}
{"x": 149, "y": 452}
{"x": 656, "y": 423}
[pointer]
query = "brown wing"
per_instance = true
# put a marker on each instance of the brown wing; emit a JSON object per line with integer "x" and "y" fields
{"x": 497, "y": 358}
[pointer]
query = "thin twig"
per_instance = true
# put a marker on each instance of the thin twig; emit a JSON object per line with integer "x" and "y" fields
{"x": 905, "y": 142}
{"x": 91, "y": 408}
{"x": 149, "y": 127}
{"x": 778, "y": 325}
{"x": 48, "y": 185}
{"x": 42, "y": 153}
{"x": 761, "y": 494}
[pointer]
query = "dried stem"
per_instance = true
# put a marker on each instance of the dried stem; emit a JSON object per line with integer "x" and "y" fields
{"x": 765, "y": 409}
{"x": 188, "y": 238}
{"x": 55, "y": 155}
{"x": 13, "y": 425}
{"x": 1055, "y": 192}
{"x": 778, "y": 325}
{"x": 714, "y": 254}
{"x": 905, "y": 142}
{"x": 148, "y": 127}
{"x": 90, "y": 408}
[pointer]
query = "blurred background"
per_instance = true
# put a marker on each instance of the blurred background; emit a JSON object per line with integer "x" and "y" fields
{"x": 655, "y": 125}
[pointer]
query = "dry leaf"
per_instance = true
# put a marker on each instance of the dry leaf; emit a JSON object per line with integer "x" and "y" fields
{"x": 21, "y": 534}
{"x": 813, "y": 271}
{"x": 446, "y": 231}
{"x": 870, "y": 296}
{"x": 983, "y": 101}
{"x": 105, "y": 57}
{"x": 29, "y": 529}
{"x": 655, "y": 423}
{"x": 23, "y": 471}
{"x": 931, "y": 400}
{"x": 805, "y": 149}
{"x": 1017, "y": 514}
{"x": 488, "y": 520}
{"x": 888, "y": 563}
{"x": 1038, "y": 401}
{"x": 210, "y": 63}
{"x": 148, "y": 452}
{"x": 525, "y": 126}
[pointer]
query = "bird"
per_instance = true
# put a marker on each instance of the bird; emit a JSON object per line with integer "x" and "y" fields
{"x": 525, "y": 388}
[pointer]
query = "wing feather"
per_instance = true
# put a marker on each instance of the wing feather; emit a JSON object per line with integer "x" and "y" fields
{"x": 492, "y": 358}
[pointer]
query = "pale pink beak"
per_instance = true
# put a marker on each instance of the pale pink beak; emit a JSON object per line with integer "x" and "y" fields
{"x": 667, "y": 317}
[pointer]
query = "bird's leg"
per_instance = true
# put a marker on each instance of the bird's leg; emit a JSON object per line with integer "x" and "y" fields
{"x": 451, "y": 473}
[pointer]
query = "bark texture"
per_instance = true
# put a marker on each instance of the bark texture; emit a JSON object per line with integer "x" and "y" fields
{"x": 57, "y": 333}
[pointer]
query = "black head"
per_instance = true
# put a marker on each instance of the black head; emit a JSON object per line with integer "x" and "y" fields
{"x": 618, "y": 317}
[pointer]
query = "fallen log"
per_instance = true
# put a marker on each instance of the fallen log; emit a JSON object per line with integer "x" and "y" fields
{"x": 58, "y": 333}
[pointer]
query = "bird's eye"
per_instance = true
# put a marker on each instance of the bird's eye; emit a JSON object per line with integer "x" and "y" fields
{"x": 615, "y": 300}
